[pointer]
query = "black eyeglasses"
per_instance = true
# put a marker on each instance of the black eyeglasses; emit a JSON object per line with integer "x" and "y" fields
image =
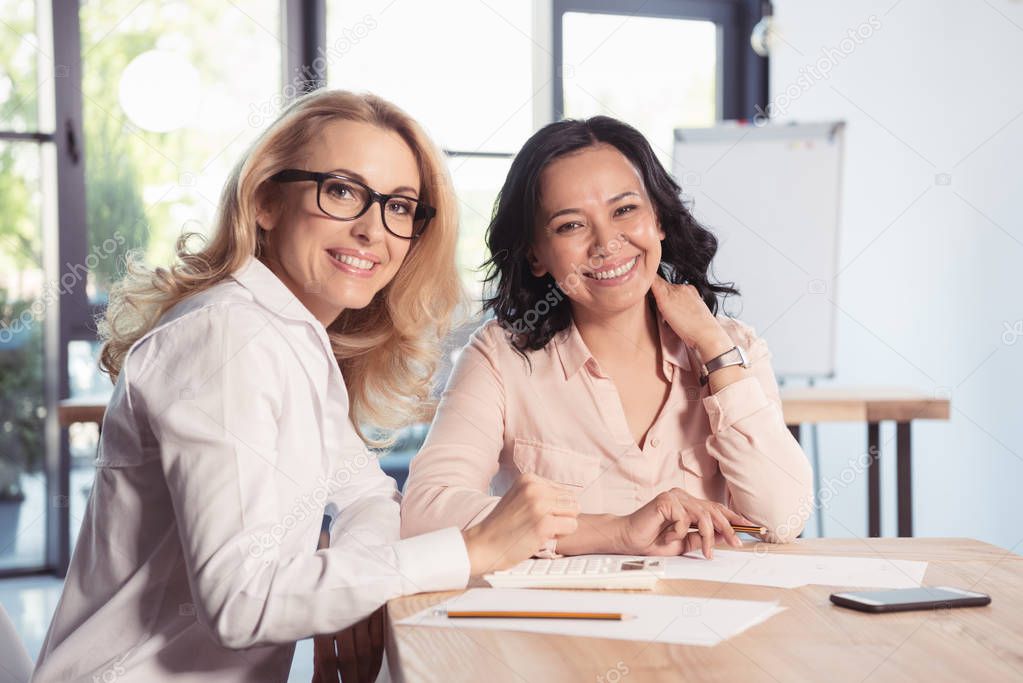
{"x": 346, "y": 199}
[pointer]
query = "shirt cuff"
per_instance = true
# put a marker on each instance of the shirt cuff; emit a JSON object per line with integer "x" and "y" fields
{"x": 436, "y": 561}
{"x": 734, "y": 402}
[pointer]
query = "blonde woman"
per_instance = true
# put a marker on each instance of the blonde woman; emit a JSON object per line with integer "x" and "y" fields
{"x": 243, "y": 374}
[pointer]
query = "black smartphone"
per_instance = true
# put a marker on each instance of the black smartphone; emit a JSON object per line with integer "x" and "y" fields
{"x": 930, "y": 597}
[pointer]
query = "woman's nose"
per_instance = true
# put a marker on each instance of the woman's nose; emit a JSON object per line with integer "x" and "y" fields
{"x": 369, "y": 227}
{"x": 605, "y": 237}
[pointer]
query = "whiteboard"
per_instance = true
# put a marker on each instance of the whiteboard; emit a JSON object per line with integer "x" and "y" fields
{"x": 771, "y": 195}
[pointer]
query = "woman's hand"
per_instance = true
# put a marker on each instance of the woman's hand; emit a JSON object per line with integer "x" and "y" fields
{"x": 531, "y": 513}
{"x": 687, "y": 314}
{"x": 661, "y": 527}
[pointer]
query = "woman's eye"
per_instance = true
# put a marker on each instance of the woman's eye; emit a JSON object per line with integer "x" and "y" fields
{"x": 339, "y": 191}
{"x": 622, "y": 210}
{"x": 567, "y": 227}
{"x": 399, "y": 207}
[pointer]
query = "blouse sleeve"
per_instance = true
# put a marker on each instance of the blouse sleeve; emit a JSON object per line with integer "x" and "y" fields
{"x": 449, "y": 480}
{"x": 768, "y": 476}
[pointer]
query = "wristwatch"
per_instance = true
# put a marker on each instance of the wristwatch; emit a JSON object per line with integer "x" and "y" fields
{"x": 733, "y": 356}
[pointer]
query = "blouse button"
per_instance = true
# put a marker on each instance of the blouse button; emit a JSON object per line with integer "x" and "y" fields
{"x": 655, "y": 442}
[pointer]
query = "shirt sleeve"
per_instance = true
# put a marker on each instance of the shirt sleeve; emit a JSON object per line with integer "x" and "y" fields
{"x": 449, "y": 480}
{"x": 768, "y": 476}
{"x": 217, "y": 423}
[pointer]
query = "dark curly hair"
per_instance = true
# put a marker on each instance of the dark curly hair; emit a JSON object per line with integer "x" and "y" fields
{"x": 687, "y": 248}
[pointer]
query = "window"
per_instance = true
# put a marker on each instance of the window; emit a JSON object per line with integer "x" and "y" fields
{"x": 656, "y": 74}
{"x": 471, "y": 90}
{"x": 27, "y": 297}
{"x": 172, "y": 94}
{"x": 657, "y": 64}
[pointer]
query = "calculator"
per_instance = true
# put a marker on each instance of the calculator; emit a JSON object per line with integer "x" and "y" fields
{"x": 593, "y": 572}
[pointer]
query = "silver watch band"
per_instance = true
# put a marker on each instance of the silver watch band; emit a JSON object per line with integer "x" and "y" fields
{"x": 733, "y": 356}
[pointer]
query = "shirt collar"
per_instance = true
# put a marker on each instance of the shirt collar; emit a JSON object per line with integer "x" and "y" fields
{"x": 574, "y": 354}
{"x": 268, "y": 290}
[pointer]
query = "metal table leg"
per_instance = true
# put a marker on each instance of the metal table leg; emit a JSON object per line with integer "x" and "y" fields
{"x": 904, "y": 464}
{"x": 873, "y": 480}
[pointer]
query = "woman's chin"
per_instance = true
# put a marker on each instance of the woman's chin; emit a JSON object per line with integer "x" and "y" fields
{"x": 613, "y": 300}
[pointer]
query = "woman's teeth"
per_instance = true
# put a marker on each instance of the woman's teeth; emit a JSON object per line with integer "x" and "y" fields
{"x": 360, "y": 263}
{"x": 617, "y": 272}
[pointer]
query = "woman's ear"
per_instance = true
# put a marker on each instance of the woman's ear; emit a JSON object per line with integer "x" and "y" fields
{"x": 269, "y": 205}
{"x": 660, "y": 232}
{"x": 535, "y": 266}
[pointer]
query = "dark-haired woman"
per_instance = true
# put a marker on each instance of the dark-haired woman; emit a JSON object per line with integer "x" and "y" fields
{"x": 606, "y": 368}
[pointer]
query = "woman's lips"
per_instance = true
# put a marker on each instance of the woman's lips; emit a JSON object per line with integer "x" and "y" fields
{"x": 352, "y": 265}
{"x": 616, "y": 274}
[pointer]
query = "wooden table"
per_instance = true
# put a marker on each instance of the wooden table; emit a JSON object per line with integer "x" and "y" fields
{"x": 812, "y": 640}
{"x": 871, "y": 405}
{"x": 72, "y": 410}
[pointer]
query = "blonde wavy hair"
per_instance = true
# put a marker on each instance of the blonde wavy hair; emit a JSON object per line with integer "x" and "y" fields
{"x": 387, "y": 351}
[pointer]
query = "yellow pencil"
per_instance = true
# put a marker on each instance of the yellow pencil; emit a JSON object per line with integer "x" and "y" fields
{"x": 605, "y": 616}
{"x": 739, "y": 527}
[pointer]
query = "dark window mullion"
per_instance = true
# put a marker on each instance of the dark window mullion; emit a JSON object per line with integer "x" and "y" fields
{"x": 71, "y": 247}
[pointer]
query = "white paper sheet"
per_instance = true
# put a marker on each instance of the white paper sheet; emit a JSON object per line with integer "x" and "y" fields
{"x": 657, "y": 618}
{"x": 785, "y": 570}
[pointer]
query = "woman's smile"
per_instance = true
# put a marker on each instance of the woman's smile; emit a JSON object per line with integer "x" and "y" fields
{"x": 353, "y": 262}
{"x": 614, "y": 274}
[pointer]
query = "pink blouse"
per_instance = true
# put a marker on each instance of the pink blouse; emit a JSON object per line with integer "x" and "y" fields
{"x": 563, "y": 420}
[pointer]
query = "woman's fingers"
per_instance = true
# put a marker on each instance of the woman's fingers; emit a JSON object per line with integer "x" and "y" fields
{"x": 563, "y": 526}
{"x": 724, "y": 528}
{"x": 706, "y": 526}
{"x": 533, "y": 511}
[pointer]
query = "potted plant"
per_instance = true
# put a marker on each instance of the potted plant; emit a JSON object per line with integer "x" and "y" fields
{"x": 22, "y": 411}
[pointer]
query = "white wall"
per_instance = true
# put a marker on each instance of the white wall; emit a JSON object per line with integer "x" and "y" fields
{"x": 932, "y": 273}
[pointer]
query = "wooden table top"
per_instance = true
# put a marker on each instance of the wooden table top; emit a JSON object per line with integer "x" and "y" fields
{"x": 812, "y": 640}
{"x": 72, "y": 410}
{"x": 860, "y": 404}
{"x": 800, "y": 405}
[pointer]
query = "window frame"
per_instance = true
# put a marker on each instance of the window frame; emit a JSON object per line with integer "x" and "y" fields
{"x": 742, "y": 74}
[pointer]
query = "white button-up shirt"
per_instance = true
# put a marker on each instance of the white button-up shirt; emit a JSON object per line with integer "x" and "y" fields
{"x": 226, "y": 438}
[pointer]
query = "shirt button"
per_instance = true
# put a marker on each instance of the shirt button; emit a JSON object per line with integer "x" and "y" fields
{"x": 655, "y": 442}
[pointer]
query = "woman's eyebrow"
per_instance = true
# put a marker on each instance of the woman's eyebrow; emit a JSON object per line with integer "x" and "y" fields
{"x": 562, "y": 212}
{"x": 404, "y": 189}
{"x": 622, "y": 195}
{"x": 612, "y": 200}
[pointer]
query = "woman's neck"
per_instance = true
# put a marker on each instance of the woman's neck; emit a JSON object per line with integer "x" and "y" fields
{"x": 612, "y": 337}
{"x": 325, "y": 313}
